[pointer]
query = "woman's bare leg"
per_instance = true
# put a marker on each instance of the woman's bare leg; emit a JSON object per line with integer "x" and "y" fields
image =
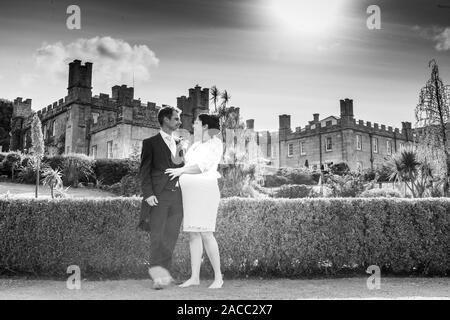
{"x": 212, "y": 250}
{"x": 196, "y": 249}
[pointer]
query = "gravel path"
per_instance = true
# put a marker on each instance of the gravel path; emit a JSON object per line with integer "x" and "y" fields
{"x": 345, "y": 288}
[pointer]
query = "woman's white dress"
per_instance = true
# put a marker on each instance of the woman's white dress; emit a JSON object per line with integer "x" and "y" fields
{"x": 200, "y": 192}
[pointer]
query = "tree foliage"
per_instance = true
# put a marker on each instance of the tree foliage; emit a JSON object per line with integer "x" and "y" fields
{"x": 433, "y": 123}
{"x": 6, "y": 110}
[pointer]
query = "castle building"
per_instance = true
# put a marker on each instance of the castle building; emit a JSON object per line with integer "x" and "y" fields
{"x": 101, "y": 126}
{"x": 331, "y": 140}
{"x": 104, "y": 126}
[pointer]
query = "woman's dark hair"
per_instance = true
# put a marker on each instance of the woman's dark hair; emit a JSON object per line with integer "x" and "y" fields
{"x": 211, "y": 120}
{"x": 166, "y": 112}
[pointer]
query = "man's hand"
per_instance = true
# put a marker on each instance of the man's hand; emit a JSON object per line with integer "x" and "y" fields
{"x": 152, "y": 201}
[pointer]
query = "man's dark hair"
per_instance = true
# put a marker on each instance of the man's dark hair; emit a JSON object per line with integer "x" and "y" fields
{"x": 211, "y": 120}
{"x": 166, "y": 112}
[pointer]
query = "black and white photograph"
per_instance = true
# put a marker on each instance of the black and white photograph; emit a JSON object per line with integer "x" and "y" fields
{"x": 235, "y": 152}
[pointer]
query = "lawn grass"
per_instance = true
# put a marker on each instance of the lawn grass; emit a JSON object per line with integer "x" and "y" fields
{"x": 28, "y": 191}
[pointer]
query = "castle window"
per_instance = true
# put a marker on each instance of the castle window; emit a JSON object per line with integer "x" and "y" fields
{"x": 302, "y": 148}
{"x": 54, "y": 128}
{"x": 45, "y": 131}
{"x": 94, "y": 152}
{"x": 375, "y": 145}
{"x": 290, "y": 149}
{"x": 67, "y": 149}
{"x": 402, "y": 145}
{"x": 358, "y": 142}
{"x": 109, "y": 151}
{"x": 95, "y": 117}
{"x": 389, "y": 147}
{"x": 329, "y": 144}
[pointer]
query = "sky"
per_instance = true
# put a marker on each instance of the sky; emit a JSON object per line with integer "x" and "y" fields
{"x": 273, "y": 57}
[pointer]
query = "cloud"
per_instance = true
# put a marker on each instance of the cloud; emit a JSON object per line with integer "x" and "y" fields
{"x": 441, "y": 36}
{"x": 115, "y": 61}
{"x": 443, "y": 40}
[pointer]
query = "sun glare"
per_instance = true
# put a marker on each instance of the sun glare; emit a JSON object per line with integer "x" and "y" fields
{"x": 312, "y": 17}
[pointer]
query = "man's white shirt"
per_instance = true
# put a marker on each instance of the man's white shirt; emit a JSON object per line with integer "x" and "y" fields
{"x": 170, "y": 141}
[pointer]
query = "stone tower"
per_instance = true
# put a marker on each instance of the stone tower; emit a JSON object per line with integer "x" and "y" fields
{"x": 21, "y": 112}
{"x": 80, "y": 81}
{"x": 80, "y": 93}
{"x": 192, "y": 106}
{"x": 347, "y": 111}
{"x": 284, "y": 126}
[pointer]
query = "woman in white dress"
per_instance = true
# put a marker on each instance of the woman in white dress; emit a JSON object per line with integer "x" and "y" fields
{"x": 201, "y": 197}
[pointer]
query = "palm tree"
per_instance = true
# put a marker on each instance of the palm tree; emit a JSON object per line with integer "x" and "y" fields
{"x": 215, "y": 94}
{"x": 52, "y": 179}
{"x": 404, "y": 167}
{"x": 226, "y": 97}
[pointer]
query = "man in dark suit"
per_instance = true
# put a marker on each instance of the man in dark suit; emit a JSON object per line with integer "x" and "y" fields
{"x": 161, "y": 208}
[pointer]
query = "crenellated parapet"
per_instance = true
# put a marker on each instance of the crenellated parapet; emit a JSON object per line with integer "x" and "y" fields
{"x": 346, "y": 121}
{"x": 54, "y": 109}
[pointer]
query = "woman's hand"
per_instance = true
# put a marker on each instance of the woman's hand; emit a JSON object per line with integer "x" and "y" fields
{"x": 174, "y": 172}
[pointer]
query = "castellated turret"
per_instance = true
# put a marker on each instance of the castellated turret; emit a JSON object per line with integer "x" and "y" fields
{"x": 21, "y": 108}
{"x": 21, "y": 113}
{"x": 192, "y": 106}
{"x": 347, "y": 111}
{"x": 80, "y": 81}
{"x": 123, "y": 94}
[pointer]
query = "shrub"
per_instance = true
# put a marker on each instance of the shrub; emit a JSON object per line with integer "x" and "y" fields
{"x": 273, "y": 181}
{"x": 238, "y": 180}
{"x": 294, "y": 191}
{"x": 130, "y": 186}
{"x": 270, "y": 237}
{"x": 285, "y": 176}
{"x": 297, "y": 175}
{"x": 384, "y": 192}
{"x": 350, "y": 185}
{"x": 340, "y": 169}
{"x": 77, "y": 168}
{"x": 11, "y": 163}
{"x": 55, "y": 162}
{"x": 27, "y": 171}
{"x": 74, "y": 167}
{"x": 111, "y": 171}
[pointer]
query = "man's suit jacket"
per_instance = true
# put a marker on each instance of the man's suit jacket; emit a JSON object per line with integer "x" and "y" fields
{"x": 156, "y": 157}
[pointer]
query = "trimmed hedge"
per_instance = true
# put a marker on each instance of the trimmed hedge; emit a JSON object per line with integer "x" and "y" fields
{"x": 111, "y": 171}
{"x": 270, "y": 237}
{"x": 376, "y": 193}
{"x": 295, "y": 191}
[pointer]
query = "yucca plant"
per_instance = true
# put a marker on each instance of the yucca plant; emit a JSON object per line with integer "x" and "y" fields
{"x": 215, "y": 94}
{"x": 53, "y": 179}
{"x": 404, "y": 166}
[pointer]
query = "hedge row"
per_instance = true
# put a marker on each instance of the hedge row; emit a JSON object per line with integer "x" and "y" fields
{"x": 273, "y": 237}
